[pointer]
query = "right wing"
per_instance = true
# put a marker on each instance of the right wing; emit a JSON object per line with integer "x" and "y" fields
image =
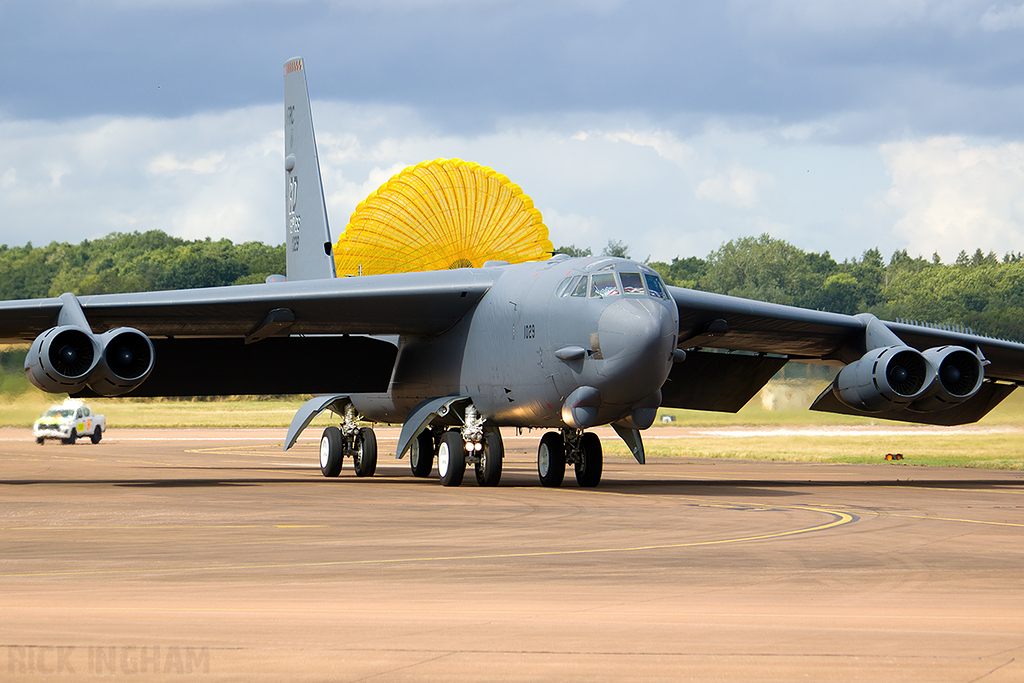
{"x": 734, "y": 346}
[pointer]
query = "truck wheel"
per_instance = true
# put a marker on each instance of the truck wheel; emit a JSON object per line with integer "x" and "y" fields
{"x": 40, "y": 440}
{"x": 96, "y": 435}
{"x": 70, "y": 441}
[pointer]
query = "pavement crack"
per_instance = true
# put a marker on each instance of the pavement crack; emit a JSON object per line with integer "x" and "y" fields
{"x": 986, "y": 675}
{"x": 402, "y": 668}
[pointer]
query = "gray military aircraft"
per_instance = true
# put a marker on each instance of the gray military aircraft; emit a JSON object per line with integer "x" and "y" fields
{"x": 565, "y": 344}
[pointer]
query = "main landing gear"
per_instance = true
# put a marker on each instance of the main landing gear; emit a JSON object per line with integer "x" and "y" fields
{"x": 454, "y": 454}
{"x": 457, "y": 448}
{"x": 359, "y": 443}
{"x": 582, "y": 449}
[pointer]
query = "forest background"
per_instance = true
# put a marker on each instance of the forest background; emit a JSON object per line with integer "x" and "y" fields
{"x": 980, "y": 291}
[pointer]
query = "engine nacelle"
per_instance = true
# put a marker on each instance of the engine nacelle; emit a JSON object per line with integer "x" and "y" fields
{"x": 959, "y": 376}
{"x": 888, "y": 378}
{"x": 61, "y": 359}
{"x": 68, "y": 357}
{"x": 126, "y": 359}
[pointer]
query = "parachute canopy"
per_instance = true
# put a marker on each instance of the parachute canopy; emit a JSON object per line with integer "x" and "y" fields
{"x": 445, "y": 213}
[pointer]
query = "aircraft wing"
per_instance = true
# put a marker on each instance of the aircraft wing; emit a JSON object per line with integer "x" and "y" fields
{"x": 273, "y": 338}
{"x": 406, "y": 303}
{"x": 734, "y": 346}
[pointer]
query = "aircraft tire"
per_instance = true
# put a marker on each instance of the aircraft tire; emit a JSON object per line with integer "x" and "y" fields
{"x": 551, "y": 460}
{"x": 588, "y": 471}
{"x": 332, "y": 452}
{"x": 96, "y": 435}
{"x": 364, "y": 456}
{"x": 488, "y": 470}
{"x": 451, "y": 459}
{"x": 421, "y": 455}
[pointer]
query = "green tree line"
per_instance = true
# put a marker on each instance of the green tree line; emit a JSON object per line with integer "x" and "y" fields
{"x": 979, "y": 291}
{"x": 133, "y": 262}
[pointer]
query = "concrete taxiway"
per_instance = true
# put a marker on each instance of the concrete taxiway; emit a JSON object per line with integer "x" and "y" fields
{"x": 158, "y": 553}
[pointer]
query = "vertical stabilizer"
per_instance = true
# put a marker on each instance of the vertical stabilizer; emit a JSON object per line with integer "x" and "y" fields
{"x": 307, "y": 235}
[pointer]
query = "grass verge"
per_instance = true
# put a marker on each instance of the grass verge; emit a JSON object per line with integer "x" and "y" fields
{"x": 1001, "y": 450}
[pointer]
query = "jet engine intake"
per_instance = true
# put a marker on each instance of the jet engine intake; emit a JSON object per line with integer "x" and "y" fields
{"x": 886, "y": 378}
{"x": 68, "y": 357}
{"x": 61, "y": 359}
{"x": 959, "y": 375}
{"x": 126, "y": 359}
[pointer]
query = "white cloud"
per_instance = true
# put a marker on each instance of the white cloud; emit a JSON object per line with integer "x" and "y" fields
{"x": 221, "y": 175}
{"x": 213, "y": 175}
{"x": 841, "y": 16}
{"x": 204, "y": 165}
{"x": 1003, "y": 17}
{"x": 573, "y": 228}
{"x": 664, "y": 143}
{"x": 738, "y": 186}
{"x": 956, "y": 196}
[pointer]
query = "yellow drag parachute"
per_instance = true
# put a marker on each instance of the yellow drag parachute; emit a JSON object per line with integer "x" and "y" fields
{"x": 445, "y": 213}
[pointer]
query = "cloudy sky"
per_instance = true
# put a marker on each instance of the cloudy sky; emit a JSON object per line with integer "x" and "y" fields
{"x": 672, "y": 126}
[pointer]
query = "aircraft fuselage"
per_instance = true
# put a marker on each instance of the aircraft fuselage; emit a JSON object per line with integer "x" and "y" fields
{"x": 609, "y": 320}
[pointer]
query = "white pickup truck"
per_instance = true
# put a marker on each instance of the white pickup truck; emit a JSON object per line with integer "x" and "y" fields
{"x": 69, "y": 421}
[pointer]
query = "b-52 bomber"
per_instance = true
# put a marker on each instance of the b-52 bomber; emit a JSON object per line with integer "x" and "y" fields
{"x": 566, "y": 345}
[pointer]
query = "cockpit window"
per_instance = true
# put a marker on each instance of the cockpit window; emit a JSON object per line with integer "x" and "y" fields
{"x": 632, "y": 283}
{"x": 565, "y": 286}
{"x": 603, "y": 284}
{"x": 654, "y": 286}
{"x": 581, "y": 287}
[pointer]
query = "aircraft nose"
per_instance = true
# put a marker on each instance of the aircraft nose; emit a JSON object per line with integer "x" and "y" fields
{"x": 636, "y": 338}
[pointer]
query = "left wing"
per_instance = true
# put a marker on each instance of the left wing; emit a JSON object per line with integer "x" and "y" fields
{"x": 734, "y": 346}
{"x": 405, "y": 303}
{"x": 237, "y": 340}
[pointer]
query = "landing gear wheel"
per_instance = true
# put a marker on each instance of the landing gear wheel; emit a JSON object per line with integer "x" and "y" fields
{"x": 551, "y": 460}
{"x": 488, "y": 470}
{"x": 588, "y": 471}
{"x": 364, "y": 455}
{"x": 96, "y": 436}
{"x": 421, "y": 455}
{"x": 332, "y": 452}
{"x": 451, "y": 458}
{"x": 70, "y": 441}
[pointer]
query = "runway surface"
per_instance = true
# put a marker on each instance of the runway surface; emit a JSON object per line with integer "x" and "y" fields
{"x": 210, "y": 552}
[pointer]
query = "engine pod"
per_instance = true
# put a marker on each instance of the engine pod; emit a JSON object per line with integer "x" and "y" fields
{"x": 126, "y": 359}
{"x": 959, "y": 375}
{"x": 62, "y": 359}
{"x": 884, "y": 379}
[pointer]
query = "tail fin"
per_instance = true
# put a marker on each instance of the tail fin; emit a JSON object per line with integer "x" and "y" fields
{"x": 307, "y": 235}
